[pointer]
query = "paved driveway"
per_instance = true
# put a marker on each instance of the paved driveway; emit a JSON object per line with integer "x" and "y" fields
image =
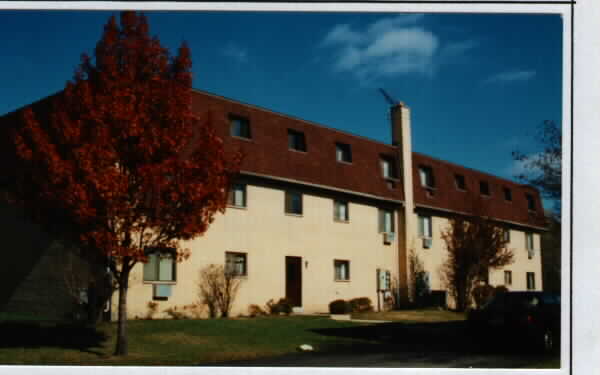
{"x": 435, "y": 345}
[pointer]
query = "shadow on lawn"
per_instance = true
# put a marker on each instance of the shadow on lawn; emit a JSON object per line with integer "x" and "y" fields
{"x": 37, "y": 334}
{"x": 442, "y": 337}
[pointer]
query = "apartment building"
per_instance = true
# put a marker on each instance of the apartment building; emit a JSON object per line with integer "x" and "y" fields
{"x": 318, "y": 214}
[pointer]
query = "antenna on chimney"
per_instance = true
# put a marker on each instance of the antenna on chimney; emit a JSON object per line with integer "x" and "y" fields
{"x": 388, "y": 97}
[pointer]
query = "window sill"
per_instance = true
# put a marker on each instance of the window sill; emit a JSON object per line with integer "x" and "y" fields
{"x": 293, "y": 214}
{"x": 344, "y": 162}
{"x": 298, "y": 151}
{"x": 242, "y": 138}
{"x": 237, "y": 207}
{"x": 342, "y": 281}
{"x": 341, "y": 221}
{"x": 392, "y": 179}
{"x": 160, "y": 282}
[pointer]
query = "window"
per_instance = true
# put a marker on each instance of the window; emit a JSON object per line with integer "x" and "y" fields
{"x": 484, "y": 188}
{"x": 237, "y": 195}
{"x": 426, "y": 177}
{"x": 341, "y": 269}
{"x": 529, "y": 244}
{"x": 340, "y": 211}
{"x": 388, "y": 167}
{"x": 386, "y": 221}
{"x": 160, "y": 265}
{"x": 459, "y": 181}
{"x": 507, "y": 277}
{"x": 507, "y": 194}
{"x": 506, "y": 234}
{"x": 530, "y": 202}
{"x": 530, "y": 280}
{"x": 425, "y": 226}
{"x": 240, "y": 127}
{"x": 296, "y": 140}
{"x": 343, "y": 152}
{"x": 293, "y": 203}
{"x": 236, "y": 264}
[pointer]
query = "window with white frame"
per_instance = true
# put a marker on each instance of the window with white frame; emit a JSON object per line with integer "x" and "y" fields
{"x": 506, "y": 235}
{"x": 341, "y": 270}
{"x": 160, "y": 265}
{"x": 484, "y": 188}
{"x": 343, "y": 152}
{"x": 386, "y": 221}
{"x": 530, "y": 280}
{"x": 296, "y": 140}
{"x": 293, "y": 203}
{"x": 388, "y": 167}
{"x": 240, "y": 127}
{"x": 424, "y": 226}
{"x": 236, "y": 263}
{"x": 340, "y": 211}
{"x": 426, "y": 177}
{"x": 529, "y": 244}
{"x": 459, "y": 182}
{"x": 530, "y": 202}
{"x": 237, "y": 195}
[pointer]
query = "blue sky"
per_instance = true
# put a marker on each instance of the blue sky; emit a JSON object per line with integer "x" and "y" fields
{"x": 478, "y": 85}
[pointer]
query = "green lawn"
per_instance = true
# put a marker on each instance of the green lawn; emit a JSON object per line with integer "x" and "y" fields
{"x": 413, "y": 316}
{"x": 168, "y": 342}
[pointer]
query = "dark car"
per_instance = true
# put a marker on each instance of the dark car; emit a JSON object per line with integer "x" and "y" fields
{"x": 531, "y": 318}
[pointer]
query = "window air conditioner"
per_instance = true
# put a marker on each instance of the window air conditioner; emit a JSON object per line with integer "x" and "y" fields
{"x": 162, "y": 290}
{"x": 388, "y": 237}
{"x": 426, "y": 242}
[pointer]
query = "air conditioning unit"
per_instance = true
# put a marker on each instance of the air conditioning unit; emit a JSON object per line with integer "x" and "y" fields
{"x": 426, "y": 242}
{"x": 388, "y": 237}
{"x": 530, "y": 253}
{"x": 162, "y": 290}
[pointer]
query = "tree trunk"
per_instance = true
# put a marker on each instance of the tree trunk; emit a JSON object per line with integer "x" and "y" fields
{"x": 121, "y": 348}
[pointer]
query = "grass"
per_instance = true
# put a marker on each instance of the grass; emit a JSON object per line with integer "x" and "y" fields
{"x": 413, "y": 316}
{"x": 170, "y": 342}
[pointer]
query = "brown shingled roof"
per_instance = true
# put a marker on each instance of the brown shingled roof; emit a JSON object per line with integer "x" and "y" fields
{"x": 447, "y": 196}
{"x": 267, "y": 153}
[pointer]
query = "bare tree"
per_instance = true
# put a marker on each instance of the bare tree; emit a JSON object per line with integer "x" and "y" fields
{"x": 475, "y": 245}
{"x": 218, "y": 288}
{"x": 543, "y": 169}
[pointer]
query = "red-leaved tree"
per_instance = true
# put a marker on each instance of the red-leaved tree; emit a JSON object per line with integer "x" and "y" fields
{"x": 121, "y": 159}
{"x": 475, "y": 244}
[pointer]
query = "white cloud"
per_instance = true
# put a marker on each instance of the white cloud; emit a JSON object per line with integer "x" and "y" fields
{"x": 390, "y": 46}
{"x": 512, "y": 76}
{"x": 235, "y": 52}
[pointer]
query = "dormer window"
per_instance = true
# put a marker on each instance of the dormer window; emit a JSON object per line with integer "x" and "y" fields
{"x": 240, "y": 127}
{"x": 484, "y": 188}
{"x": 426, "y": 177}
{"x": 507, "y": 194}
{"x": 388, "y": 167}
{"x": 343, "y": 153}
{"x": 296, "y": 140}
{"x": 530, "y": 202}
{"x": 459, "y": 182}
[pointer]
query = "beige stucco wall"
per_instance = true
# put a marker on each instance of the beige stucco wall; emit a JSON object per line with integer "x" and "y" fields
{"x": 268, "y": 235}
{"x": 434, "y": 257}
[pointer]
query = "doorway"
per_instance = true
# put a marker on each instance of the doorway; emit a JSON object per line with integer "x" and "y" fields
{"x": 293, "y": 280}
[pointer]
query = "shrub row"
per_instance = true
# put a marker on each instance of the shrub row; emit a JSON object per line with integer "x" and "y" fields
{"x": 360, "y": 304}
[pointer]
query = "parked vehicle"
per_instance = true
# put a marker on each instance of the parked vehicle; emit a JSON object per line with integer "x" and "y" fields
{"x": 523, "y": 317}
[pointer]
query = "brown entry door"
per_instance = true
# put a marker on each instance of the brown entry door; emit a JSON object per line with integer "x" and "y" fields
{"x": 293, "y": 280}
